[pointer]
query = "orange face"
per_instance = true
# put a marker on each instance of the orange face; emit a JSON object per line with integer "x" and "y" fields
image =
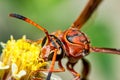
{"x": 48, "y": 48}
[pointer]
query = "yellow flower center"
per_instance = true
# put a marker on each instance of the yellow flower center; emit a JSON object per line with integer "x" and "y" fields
{"x": 25, "y": 55}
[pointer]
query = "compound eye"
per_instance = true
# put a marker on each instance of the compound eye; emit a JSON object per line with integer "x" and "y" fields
{"x": 59, "y": 54}
{"x": 44, "y": 41}
{"x": 51, "y": 55}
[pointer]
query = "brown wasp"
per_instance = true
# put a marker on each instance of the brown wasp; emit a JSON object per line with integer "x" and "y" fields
{"x": 71, "y": 43}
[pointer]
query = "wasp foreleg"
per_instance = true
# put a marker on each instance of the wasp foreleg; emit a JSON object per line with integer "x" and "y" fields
{"x": 70, "y": 68}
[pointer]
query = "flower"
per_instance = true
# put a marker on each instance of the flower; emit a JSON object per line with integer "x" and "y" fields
{"x": 20, "y": 60}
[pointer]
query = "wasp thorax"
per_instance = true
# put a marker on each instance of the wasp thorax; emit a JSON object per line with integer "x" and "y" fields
{"x": 76, "y": 43}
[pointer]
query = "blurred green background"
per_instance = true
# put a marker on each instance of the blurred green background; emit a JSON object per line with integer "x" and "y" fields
{"x": 102, "y": 29}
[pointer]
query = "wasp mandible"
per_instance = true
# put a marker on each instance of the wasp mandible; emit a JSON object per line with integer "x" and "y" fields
{"x": 71, "y": 43}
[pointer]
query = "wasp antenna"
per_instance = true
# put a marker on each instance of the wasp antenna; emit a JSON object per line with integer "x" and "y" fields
{"x": 106, "y": 50}
{"x": 86, "y": 13}
{"x": 18, "y": 16}
{"x": 31, "y": 22}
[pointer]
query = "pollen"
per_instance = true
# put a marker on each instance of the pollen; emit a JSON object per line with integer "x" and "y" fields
{"x": 19, "y": 59}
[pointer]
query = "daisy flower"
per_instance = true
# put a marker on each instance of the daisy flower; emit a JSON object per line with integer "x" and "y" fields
{"x": 20, "y": 60}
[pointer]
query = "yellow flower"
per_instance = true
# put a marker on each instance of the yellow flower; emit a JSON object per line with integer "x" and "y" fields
{"x": 20, "y": 59}
{"x": 3, "y": 66}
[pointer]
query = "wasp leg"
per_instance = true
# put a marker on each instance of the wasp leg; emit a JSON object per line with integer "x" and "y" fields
{"x": 56, "y": 70}
{"x": 106, "y": 50}
{"x": 37, "y": 79}
{"x": 70, "y": 68}
{"x": 61, "y": 68}
{"x": 36, "y": 75}
{"x": 86, "y": 69}
{"x": 51, "y": 69}
{"x": 52, "y": 65}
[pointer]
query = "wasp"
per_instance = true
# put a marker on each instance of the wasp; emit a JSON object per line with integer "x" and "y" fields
{"x": 71, "y": 43}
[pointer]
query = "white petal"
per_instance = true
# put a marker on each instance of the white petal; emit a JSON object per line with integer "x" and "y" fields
{"x": 2, "y": 44}
{"x": 24, "y": 37}
{"x": 20, "y": 74}
{"x": 11, "y": 37}
{"x": 15, "y": 73}
{"x": 2, "y": 66}
{"x": 14, "y": 68}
